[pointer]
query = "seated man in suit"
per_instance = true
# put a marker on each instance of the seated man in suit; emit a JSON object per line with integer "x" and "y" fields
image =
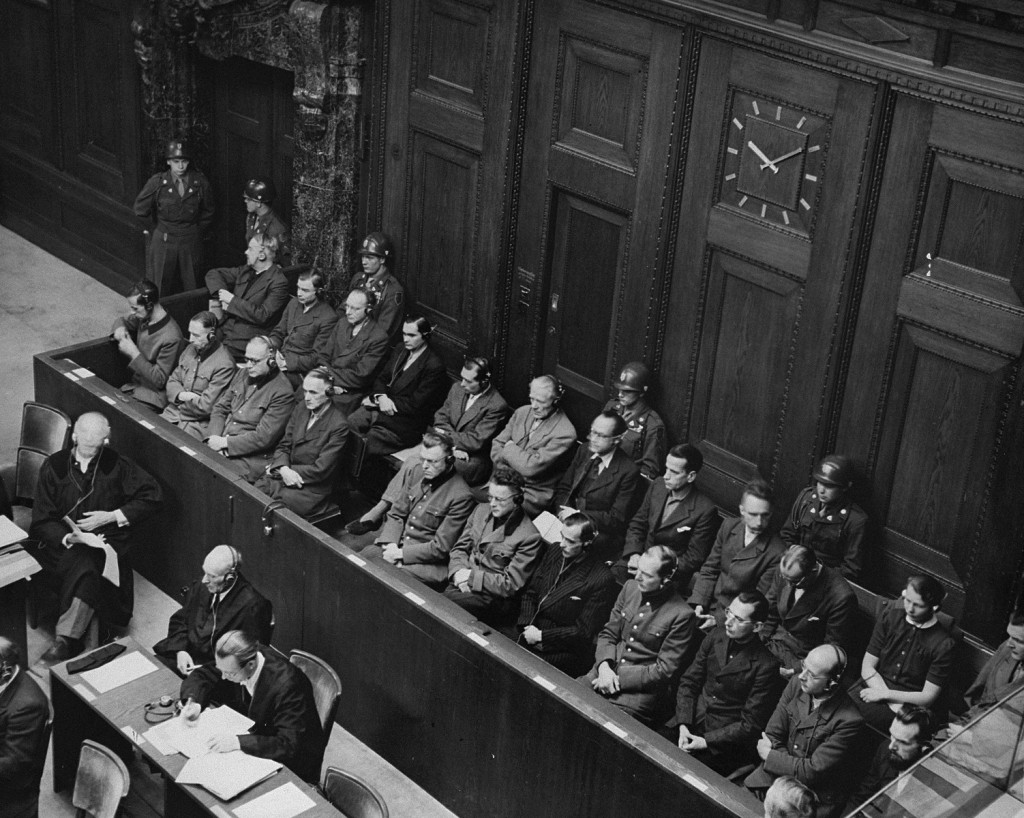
{"x": 745, "y": 557}
{"x": 641, "y": 649}
{"x": 105, "y": 496}
{"x": 813, "y": 733}
{"x": 405, "y": 395}
{"x": 428, "y": 515}
{"x": 250, "y": 416}
{"x": 496, "y": 554}
{"x": 272, "y": 692}
{"x": 909, "y": 737}
{"x": 644, "y": 440}
{"x": 674, "y": 513}
{"x": 377, "y": 257}
{"x": 1003, "y": 672}
{"x": 354, "y": 351}
{"x": 151, "y": 341}
{"x": 24, "y": 712}
{"x": 305, "y": 327}
{"x": 249, "y": 298}
{"x": 203, "y": 372}
{"x": 567, "y": 600}
{"x": 728, "y": 693}
{"x": 473, "y": 414}
{"x": 223, "y": 600}
{"x": 261, "y": 219}
{"x": 535, "y": 443}
{"x": 824, "y": 518}
{"x": 788, "y": 798}
{"x": 302, "y": 470}
{"x": 808, "y": 604}
{"x": 600, "y": 483}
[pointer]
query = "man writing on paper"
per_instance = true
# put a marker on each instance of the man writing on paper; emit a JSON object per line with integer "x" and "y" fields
{"x": 89, "y": 497}
{"x": 272, "y": 692}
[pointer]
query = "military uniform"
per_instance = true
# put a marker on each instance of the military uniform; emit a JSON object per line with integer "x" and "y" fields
{"x": 273, "y": 226}
{"x": 645, "y": 440}
{"x": 390, "y": 296}
{"x": 835, "y": 532}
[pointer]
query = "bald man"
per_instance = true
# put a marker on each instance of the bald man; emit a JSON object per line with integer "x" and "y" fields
{"x": 223, "y": 600}
{"x": 88, "y": 496}
{"x": 24, "y": 712}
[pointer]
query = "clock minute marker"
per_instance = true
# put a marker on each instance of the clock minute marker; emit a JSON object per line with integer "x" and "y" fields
{"x": 804, "y": 205}
{"x": 785, "y": 217}
{"x": 742, "y": 202}
{"x": 737, "y": 123}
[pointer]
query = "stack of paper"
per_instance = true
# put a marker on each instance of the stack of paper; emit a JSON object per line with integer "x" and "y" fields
{"x": 549, "y": 526}
{"x": 227, "y": 774}
{"x": 126, "y": 668}
{"x": 190, "y": 737}
{"x": 10, "y": 533}
{"x": 285, "y": 801}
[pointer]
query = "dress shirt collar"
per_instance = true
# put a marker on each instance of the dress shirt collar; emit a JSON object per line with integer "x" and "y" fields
{"x": 250, "y": 683}
{"x": 922, "y": 625}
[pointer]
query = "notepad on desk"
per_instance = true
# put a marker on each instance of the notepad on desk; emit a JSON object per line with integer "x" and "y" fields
{"x": 190, "y": 737}
{"x": 127, "y": 668}
{"x": 285, "y": 801}
{"x": 227, "y": 774}
{"x": 10, "y": 533}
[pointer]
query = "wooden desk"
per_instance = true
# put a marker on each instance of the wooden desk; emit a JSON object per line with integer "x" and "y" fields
{"x": 16, "y": 568}
{"x": 79, "y": 712}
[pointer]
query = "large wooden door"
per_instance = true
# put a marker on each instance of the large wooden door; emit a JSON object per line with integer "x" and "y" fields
{"x": 934, "y": 392}
{"x": 252, "y": 136}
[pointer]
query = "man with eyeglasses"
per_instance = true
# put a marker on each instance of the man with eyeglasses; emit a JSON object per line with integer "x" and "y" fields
{"x": 250, "y": 416}
{"x": 567, "y": 600}
{"x": 728, "y": 693}
{"x": 427, "y": 517}
{"x": 808, "y": 604}
{"x": 260, "y": 217}
{"x": 813, "y": 733}
{"x": 601, "y": 483}
{"x": 354, "y": 351}
{"x": 496, "y": 554}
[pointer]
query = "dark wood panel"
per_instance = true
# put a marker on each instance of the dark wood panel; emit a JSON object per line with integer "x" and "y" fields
{"x": 27, "y": 89}
{"x": 455, "y": 40}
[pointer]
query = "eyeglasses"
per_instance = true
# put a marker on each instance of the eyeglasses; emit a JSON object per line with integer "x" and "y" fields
{"x": 595, "y": 433}
{"x": 254, "y": 361}
{"x": 730, "y": 615}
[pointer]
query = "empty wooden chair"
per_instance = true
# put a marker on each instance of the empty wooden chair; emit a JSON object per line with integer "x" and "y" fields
{"x": 352, "y": 796}
{"x": 326, "y": 686}
{"x": 102, "y": 781}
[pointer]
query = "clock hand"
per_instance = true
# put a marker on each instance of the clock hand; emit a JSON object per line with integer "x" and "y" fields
{"x": 773, "y": 162}
{"x": 768, "y": 163}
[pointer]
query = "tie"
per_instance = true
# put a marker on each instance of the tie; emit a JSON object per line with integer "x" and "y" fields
{"x": 671, "y": 504}
{"x": 1016, "y": 672}
{"x": 181, "y": 187}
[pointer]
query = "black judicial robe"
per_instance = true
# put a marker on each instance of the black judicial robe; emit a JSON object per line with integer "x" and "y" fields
{"x": 111, "y": 482}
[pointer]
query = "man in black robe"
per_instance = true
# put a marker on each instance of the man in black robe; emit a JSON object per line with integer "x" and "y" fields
{"x": 88, "y": 497}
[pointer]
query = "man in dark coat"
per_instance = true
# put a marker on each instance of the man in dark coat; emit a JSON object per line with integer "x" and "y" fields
{"x": 644, "y": 441}
{"x": 305, "y": 327}
{"x": 909, "y": 736}
{"x": 24, "y": 712}
{"x": 674, "y": 513}
{"x": 272, "y": 692}
{"x": 89, "y": 497}
{"x": 1002, "y": 673}
{"x": 223, "y": 600}
{"x": 354, "y": 351}
{"x": 728, "y": 693}
{"x": 377, "y": 258}
{"x": 406, "y": 394}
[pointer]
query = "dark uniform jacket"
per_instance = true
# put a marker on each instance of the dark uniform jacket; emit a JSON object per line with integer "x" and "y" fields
{"x": 416, "y": 391}
{"x": 159, "y": 344}
{"x": 314, "y": 453}
{"x": 287, "y": 727}
{"x": 390, "y": 295}
{"x": 689, "y": 531}
{"x": 645, "y": 441}
{"x": 206, "y": 373}
{"x": 199, "y": 623}
{"x": 354, "y": 360}
{"x": 728, "y": 702}
{"x": 500, "y": 560}
{"x": 814, "y": 746}
{"x": 256, "y": 306}
{"x": 606, "y": 497}
{"x": 159, "y": 202}
{"x": 993, "y": 682}
{"x": 24, "y": 712}
{"x": 473, "y": 429}
{"x": 302, "y": 336}
{"x": 273, "y": 226}
{"x": 538, "y": 455}
{"x": 253, "y": 416}
{"x": 568, "y": 601}
{"x": 835, "y": 532}
{"x": 732, "y": 567}
{"x": 825, "y": 612}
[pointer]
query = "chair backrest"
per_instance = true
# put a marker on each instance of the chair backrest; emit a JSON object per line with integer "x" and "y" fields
{"x": 353, "y": 796}
{"x": 44, "y": 428}
{"x": 326, "y": 686}
{"x": 101, "y": 783}
{"x": 26, "y": 475}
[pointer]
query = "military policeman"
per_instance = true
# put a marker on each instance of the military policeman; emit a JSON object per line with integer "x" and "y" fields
{"x": 378, "y": 255}
{"x": 825, "y": 519}
{"x": 179, "y": 202}
{"x": 262, "y": 220}
{"x": 644, "y": 441}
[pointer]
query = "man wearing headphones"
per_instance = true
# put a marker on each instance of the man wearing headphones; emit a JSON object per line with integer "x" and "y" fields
{"x": 302, "y": 334}
{"x": 88, "y": 496}
{"x": 641, "y": 649}
{"x": 405, "y": 395}
{"x": 567, "y": 600}
{"x": 272, "y": 692}
{"x": 248, "y": 299}
{"x": 644, "y": 440}
{"x": 354, "y": 351}
{"x": 24, "y": 712}
{"x": 496, "y": 554}
{"x": 813, "y": 733}
{"x": 151, "y": 341}
{"x": 536, "y": 442}
{"x": 909, "y": 739}
{"x": 302, "y": 470}
{"x": 262, "y": 220}
{"x": 472, "y": 414}
{"x": 377, "y": 257}
{"x": 203, "y": 372}
{"x": 250, "y": 416}
{"x": 223, "y": 600}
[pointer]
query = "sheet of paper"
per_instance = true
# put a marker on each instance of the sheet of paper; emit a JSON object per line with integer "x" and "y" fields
{"x": 111, "y": 570}
{"x": 160, "y": 744}
{"x": 189, "y": 738}
{"x": 549, "y": 526}
{"x": 283, "y": 802}
{"x": 9, "y": 532}
{"x": 126, "y": 668}
{"x": 227, "y": 774}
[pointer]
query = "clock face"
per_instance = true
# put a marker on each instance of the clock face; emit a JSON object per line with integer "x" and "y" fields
{"x": 773, "y": 159}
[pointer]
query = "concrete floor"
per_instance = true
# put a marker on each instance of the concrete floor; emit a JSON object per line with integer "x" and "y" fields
{"x": 44, "y": 304}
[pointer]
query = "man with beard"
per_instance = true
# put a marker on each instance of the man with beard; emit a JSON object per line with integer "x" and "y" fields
{"x": 304, "y": 329}
{"x": 909, "y": 735}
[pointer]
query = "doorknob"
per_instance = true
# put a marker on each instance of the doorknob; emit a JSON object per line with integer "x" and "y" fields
{"x": 552, "y": 330}
{"x": 554, "y": 302}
